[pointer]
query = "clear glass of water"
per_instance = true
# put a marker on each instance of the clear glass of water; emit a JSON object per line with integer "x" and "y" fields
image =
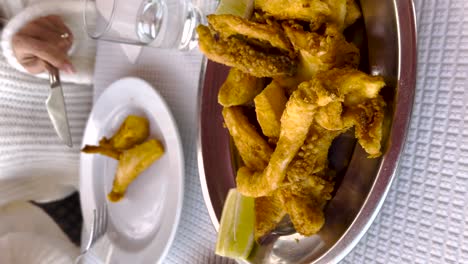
{"x": 157, "y": 23}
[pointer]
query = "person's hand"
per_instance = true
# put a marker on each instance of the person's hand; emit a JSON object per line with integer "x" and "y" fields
{"x": 41, "y": 41}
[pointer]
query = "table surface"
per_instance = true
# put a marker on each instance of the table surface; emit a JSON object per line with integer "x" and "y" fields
{"x": 425, "y": 216}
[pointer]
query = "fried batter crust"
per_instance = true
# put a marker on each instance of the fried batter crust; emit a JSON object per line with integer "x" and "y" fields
{"x": 238, "y": 53}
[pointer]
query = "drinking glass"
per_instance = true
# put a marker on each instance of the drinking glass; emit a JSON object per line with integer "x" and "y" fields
{"x": 157, "y": 23}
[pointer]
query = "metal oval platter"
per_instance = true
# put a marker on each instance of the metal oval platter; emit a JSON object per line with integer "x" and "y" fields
{"x": 361, "y": 187}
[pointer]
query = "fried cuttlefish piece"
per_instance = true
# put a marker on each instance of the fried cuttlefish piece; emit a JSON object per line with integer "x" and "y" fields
{"x": 318, "y": 53}
{"x": 104, "y": 148}
{"x": 368, "y": 118}
{"x": 352, "y": 13}
{"x": 349, "y": 86}
{"x": 253, "y": 149}
{"x": 340, "y": 13}
{"x": 295, "y": 123}
{"x": 133, "y": 162}
{"x": 269, "y": 106}
{"x": 237, "y": 52}
{"x": 268, "y": 213}
{"x": 239, "y": 88}
{"x": 230, "y": 25}
{"x": 314, "y": 11}
{"x": 307, "y": 186}
{"x": 134, "y": 130}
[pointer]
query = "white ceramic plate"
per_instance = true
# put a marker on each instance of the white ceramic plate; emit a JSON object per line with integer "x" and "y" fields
{"x": 143, "y": 224}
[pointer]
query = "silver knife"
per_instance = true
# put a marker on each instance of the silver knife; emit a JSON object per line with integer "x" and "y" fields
{"x": 55, "y": 104}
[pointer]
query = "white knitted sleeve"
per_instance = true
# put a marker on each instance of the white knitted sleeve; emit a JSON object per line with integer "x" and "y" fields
{"x": 83, "y": 51}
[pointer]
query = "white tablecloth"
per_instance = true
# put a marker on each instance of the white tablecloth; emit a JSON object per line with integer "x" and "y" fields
{"x": 425, "y": 217}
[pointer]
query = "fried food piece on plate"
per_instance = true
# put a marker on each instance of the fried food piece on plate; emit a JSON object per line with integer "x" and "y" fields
{"x": 268, "y": 213}
{"x": 315, "y": 11}
{"x": 236, "y": 52}
{"x": 229, "y": 25}
{"x": 104, "y": 148}
{"x": 134, "y": 130}
{"x": 133, "y": 162}
{"x": 368, "y": 118}
{"x": 269, "y": 106}
{"x": 253, "y": 148}
{"x": 239, "y": 88}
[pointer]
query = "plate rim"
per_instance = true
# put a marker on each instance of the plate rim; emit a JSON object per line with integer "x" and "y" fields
{"x": 179, "y": 148}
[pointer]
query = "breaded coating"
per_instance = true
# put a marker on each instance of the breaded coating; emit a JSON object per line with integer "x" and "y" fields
{"x": 338, "y": 13}
{"x": 268, "y": 213}
{"x": 239, "y": 88}
{"x": 105, "y": 148}
{"x": 312, "y": 157}
{"x": 352, "y": 13}
{"x": 351, "y": 86}
{"x": 238, "y": 53}
{"x": 295, "y": 123}
{"x": 133, "y": 162}
{"x": 304, "y": 202}
{"x": 318, "y": 53}
{"x": 306, "y": 10}
{"x": 253, "y": 149}
{"x": 306, "y": 212}
{"x": 330, "y": 117}
{"x": 269, "y": 106}
{"x": 229, "y": 25}
{"x": 134, "y": 130}
{"x": 342, "y": 85}
{"x": 368, "y": 119}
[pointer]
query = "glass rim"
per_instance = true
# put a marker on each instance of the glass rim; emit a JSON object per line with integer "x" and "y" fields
{"x": 97, "y": 35}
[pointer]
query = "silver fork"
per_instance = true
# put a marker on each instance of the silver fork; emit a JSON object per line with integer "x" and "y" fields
{"x": 98, "y": 229}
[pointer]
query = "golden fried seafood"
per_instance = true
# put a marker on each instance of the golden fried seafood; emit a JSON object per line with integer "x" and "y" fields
{"x": 304, "y": 202}
{"x": 253, "y": 149}
{"x": 352, "y": 13}
{"x": 316, "y": 94}
{"x": 312, "y": 157}
{"x": 133, "y": 162}
{"x": 269, "y": 106}
{"x": 315, "y": 11}
{"x": 229, "y": 25}
{"x": 295, "y": 123}
{"x": 318, "y": 53}
{"x": 351, "y": 86}
{"x": 268, "y": 213}
{"x": 104, "y": 148}
{"x": 347, "y": 85}
{"x": 134, "y": 130}
{"x": 368, "y": 119}
{"x": 239, "y": 88}
{"x": 237, "y": 53}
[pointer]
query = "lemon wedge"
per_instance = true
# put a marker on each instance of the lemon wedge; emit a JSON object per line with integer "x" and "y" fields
{"x": 236, "y": 230}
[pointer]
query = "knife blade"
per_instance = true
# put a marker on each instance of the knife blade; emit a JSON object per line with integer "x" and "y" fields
{"x": 56, "y": 108}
